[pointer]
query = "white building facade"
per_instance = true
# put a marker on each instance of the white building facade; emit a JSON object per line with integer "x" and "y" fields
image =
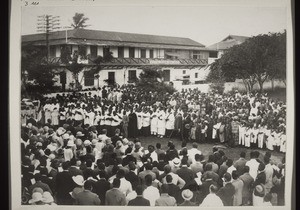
{"x": 181, "y": 59}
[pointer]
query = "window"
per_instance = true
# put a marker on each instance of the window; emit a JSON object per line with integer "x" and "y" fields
{"x": 88, "y": 78}
{"x": 131, "y": 52}
{"x": 120, "y": 52}
{"x": 166, "y": 75}
{"x": 183, "y": 71}
{"x": 105, "y": 51}
{"x": 143, "y": 53}
{"x": 131, "y": 76}
{"x": 93, "y": 51}
{"x": 151, "y": 53}
{"x": 196, "y": 75}
{"x": 52, "y": 51}
{"x": 213, "y": 54}
{"x": 111, "y": 78}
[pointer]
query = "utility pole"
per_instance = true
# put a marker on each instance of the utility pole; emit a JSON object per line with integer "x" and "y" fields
{"x": 47, "y": 24}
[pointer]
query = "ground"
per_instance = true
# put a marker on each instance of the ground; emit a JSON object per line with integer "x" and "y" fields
{"x": 206, "y": 149}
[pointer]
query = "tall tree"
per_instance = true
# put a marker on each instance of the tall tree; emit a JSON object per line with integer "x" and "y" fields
{"x": 257, "y": 59}
{"x": 151, "y": 79}
{"x": 79, "y": 21}
{"x": 34, "y": 67}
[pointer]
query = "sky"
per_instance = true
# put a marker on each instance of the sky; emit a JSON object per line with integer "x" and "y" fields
{"x": 202, "y": 23}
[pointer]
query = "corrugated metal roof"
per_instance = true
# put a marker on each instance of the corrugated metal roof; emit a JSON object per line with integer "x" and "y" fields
{"x": 113, "y": 36}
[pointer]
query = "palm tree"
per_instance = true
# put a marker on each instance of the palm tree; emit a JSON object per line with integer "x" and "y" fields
{"x": 79, "y": 21}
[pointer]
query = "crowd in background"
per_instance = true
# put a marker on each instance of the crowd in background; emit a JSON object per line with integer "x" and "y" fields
{"x": 88, "y": 148}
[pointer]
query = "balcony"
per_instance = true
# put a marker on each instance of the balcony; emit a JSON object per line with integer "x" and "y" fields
{"x": 136, "y": 62}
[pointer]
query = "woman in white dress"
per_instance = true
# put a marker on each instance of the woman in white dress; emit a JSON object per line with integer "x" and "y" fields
{"x": 161, "y": 124}
{"x": 153, "y": 122}
{"x": 260, "y": 136}
{"x": 242, "y": 130}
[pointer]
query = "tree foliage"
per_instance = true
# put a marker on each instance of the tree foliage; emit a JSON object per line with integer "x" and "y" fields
{"x": 257, "y": 59}
{"x": 79, "y": 21}
{"x": 152, "y": 80}
{"x": 38, "y": 70}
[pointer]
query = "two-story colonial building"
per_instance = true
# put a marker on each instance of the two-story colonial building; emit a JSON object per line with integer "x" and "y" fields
{"x": 181, "y": 59}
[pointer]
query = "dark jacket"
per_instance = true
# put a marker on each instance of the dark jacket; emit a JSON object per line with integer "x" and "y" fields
{"x": 100, "y": 188}
{"x": 86, "y": 197}
{"x": 64, "y": 185}
{"x": 226, "y": 194}
{"x": 139, "y": 201}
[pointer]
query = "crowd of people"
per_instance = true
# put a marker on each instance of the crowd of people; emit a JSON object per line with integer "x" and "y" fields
{"x": 88, "y": 149}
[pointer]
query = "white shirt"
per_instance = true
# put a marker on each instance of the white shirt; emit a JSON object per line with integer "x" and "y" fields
{"x": 253, "y": 165}
{"x": 145, "y": 119}
{"x": 212, "y": 200}
{"x": 152, "y": 194}
{"x": 125, "y": 186}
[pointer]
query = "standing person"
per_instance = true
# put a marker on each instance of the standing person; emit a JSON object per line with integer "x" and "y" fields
{"x": 186, "y": 125}
{"x": 242, "y": 130}
{"x": 240, "y": 163}
{"x": 150, "y": 193}
{"x": 248, "y": 132}
{"x": 212, "y": 200}
{"x": 161, "y": 124}
{"x": 102, "y": 186}
{"x": 165, "y": 199}
{"x": 125, "y": 121}
{"x": 187, "y": 195}
{"x": 238, "y": 185}
{"x": 170, "y": 122}
{"x": 132, "y": 125}
{"x": 64, "y": 185}
{"x": 178, "y": 125}
{"x": 146, "y": 122}
{"x": 87, "y": 197}
{"x": 253, "y": 164}
{"x": 139, "y": 200}
{"x": 227, "y": 192}
{"x": 260, "y": 136}
{"x": 247, "y": 191}
{"x": 222, "y": 131}
{"x": 235, "y": 131}
{"x": 154, "y": 121}
{"x": 114, "y": 197}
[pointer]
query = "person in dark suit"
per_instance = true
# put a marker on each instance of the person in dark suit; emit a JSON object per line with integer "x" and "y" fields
{"x": 247, "y": 190}
{"x": 101, "y": 187}
{"x": 226, "y": 192}
{"x": 64, "y": 185}
{"x": 185, "y": 173}
{"x": 114, "y": 197}
{"x": 87, "y": 197}
{"x": 74, "y": 171}
{"x": 240, "y": 163}
{"x": 139, "y": 200}
{"x": 131, "y": 176}
{"x": 173, "y": 190}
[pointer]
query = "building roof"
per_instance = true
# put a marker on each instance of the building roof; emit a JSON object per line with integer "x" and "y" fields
{"x": 228, "y": 42}
{"x": 104, "y": 37}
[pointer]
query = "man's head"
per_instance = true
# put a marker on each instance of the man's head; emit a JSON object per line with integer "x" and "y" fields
{"x": 169, "y": 178}
{"x": 88, "y": 185}
{"x": 148, "y": 180}
{"x": 164, "y": 188}
{"x": 213, "y": 189}
{"x": 243, "y": 154}
{"x": 116, "y": 183}
{"x": 139, "y": 190}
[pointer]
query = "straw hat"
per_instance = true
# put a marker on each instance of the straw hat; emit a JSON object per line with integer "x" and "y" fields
{"x": 78, "y": 180}
{"x": 47, "y": 197}
{"x": 187, "y": 194}
{"x": 36, "y": 196}
{"x": 70, "y": 143}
